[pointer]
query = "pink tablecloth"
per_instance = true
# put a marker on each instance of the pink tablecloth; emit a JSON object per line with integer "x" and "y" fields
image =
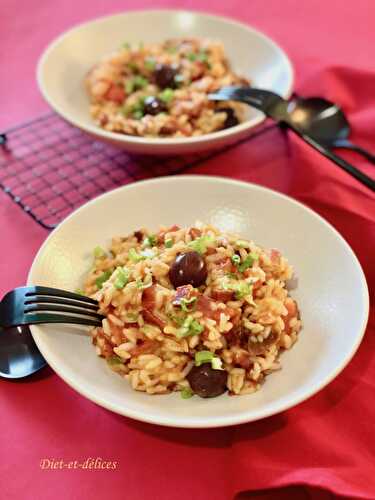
{"x": 324, "y": 445}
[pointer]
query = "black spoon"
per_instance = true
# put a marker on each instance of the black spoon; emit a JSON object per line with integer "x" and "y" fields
{"x": 19, "y": 355}
{"x": 324, "y": 121}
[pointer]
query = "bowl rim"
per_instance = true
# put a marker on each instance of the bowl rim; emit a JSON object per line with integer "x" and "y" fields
{"x": 128, "y": 139}
{"x": 205, "y": 422}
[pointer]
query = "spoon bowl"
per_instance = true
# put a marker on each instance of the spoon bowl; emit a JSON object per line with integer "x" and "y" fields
{"x": 325, "y": 122}
{"x": 19, "y": 355}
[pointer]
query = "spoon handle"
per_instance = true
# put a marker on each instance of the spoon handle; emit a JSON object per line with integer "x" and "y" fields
{"x": 353, "y": 171}
{"x": 344, "y": 143}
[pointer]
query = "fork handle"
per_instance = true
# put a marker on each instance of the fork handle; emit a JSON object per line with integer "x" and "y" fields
{"x": 353, "y": 171}
{"x": 344, "y": 143}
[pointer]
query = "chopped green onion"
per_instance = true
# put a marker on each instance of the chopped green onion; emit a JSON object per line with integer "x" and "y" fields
{"x": 196, "y": 327}
{"x": 79, "y": 291}
{"x": 140, "y": 82}
{"x": 148, "y": 253}
{"x": 166, "y": 95}
{"x": 135, "y": 83}
{"x": 190, "y": 327}
{"x": 168, "y": 243}
{"x": 203, "y": 357}
{"x": 134, "y": 256}
{"x": 248, "y": 262}
{"x": 242, "y": 244}
{"x": 200, "y": 244}
{"x": 138, "y": 114}
{"x": 129, "y": 86}
{"x": 122, "y": 277}
{"x": 233, "y": 276}
{"x": 171, "y": 50}
{"x": 202, "y": 56}
{"x": 126, "y": 110}
{"x": 141, "y": 45}
{"x": 185, "y": 302}
{"x": 177, "y": 319}
{"x": 143, "y": 284}
{"x": 149, "y": 241}
{"x": 191, "y": 56}
{"x": 242, "y": 290}
{"x": 114, "y": 360}
{"x": 126, "y": 45}
{"x": 103, "y": 278}
{"x": 99, "y": 252}
{"x": 217, "y": 364}
{"x": 236, "y": 259}
{"x": 150, "y": 63}
{"x": 131, "y": 317}
{"x": 179, "y": 79}
{"x": 186, "y": 393}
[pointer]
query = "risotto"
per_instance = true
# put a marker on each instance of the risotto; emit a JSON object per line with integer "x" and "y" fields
{"x": 193, "y": 310}
{"x": 160, "y": 89}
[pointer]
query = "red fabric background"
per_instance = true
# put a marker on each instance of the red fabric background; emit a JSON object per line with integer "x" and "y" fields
{"x": 324, "y": 445}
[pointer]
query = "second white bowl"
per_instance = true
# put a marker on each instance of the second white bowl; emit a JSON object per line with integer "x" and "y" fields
{"x": 64, "y": 64}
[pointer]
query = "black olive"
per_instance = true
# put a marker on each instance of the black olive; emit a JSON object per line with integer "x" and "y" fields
{"x": 154, "y": 106}
{"x": 231, "y": 119}
{"x": 164, "y": 76}
{"x": 207, "y": 382}
{"x": 188, "y": 269}
{"x": 138, "y": 235}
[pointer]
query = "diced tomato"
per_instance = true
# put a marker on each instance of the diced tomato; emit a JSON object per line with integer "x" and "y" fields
{"x": 234, "y": 314}
{"x": 258, "y": 284}
{"x": 275, "y": 256}
{"x": 210, "y": 250}
{"x": 107, "y": 349}
{"x": 292, "y": 312}
{"x": 195, "y": 233}
{"x": 222, "y": 295}
{"x": 162, "y": 234}
{"x": 242, "y": 358}
{"x": 151, "y": 317}
{"x": 226, "y": 265}
{"x": 292, "y": 308}
{"x": 116, "y": 332}
{"x": 146, "y": 347}
{"x": 148, "y": 297}
{"x": 115, "y": 94}
{"x": 204, "y": 305}
{"x": 148, "y": 303}
{"x": 205, "y": 333}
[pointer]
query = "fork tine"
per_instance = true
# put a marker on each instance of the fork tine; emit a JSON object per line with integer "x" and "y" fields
{"x": 36, "y": 299}
{"x": 55, "y": 292}
{"x": 40, "y": 318}
{"x": 58, "y": 308}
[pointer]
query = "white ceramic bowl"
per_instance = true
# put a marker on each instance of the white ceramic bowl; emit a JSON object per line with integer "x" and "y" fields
{"x": 332, "y": 293}
{"x": 66, "y": 61}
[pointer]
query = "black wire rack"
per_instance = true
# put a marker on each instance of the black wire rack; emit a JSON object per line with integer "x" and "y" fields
{"x": 49, "y": 168}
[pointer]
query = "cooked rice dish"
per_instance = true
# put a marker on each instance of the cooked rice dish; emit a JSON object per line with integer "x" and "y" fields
{"x": 194, "y": 310}
{"x": 160, "y": 89}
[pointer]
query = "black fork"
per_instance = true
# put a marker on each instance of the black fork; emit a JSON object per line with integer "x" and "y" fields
{"x": 32, "y": 305}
